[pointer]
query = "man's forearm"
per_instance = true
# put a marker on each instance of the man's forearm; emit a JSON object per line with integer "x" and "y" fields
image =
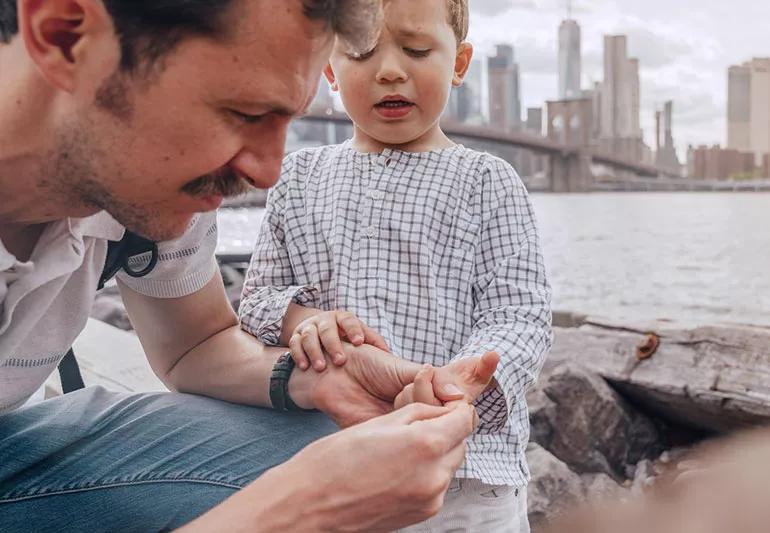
{"x": 235, "y": 367}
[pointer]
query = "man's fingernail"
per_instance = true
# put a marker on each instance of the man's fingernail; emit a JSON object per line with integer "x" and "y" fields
{"x": 453, "y": 390}
{"x": 319, "y": 365}
{"x": 339, "y": 358}
{"x": 358, "y": 338}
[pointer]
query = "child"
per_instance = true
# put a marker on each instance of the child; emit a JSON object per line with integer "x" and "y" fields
{"x": 402, "y": 239}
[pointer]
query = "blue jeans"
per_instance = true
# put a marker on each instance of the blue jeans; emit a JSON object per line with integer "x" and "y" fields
{"x": 95, "y": 460}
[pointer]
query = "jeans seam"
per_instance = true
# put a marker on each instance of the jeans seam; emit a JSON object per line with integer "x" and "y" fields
{"x": 119, "y": 484}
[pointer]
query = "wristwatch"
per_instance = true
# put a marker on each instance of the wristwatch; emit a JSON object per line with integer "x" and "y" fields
{"x": 279, "y": 385}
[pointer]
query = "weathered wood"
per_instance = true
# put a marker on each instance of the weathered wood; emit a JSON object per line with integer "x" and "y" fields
{"x": 708, "y": 377}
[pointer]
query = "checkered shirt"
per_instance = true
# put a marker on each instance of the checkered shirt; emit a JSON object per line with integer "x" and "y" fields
{"x": 438, "y": 251}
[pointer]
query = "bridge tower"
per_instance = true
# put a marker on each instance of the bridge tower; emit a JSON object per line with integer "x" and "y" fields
{"x": 570, "y": 123}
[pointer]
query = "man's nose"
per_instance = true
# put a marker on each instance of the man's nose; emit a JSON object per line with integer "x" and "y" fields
{"x": 262, "y": 154}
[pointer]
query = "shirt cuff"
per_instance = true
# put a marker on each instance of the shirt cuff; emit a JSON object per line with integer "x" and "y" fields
{"x": 268, "y": 327}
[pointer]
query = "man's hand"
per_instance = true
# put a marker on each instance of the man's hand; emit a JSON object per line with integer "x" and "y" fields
{"x": 462, "y": 380}
{"x": 363, "y": 388}
{"x": 324, "y": 332}
{"x": 378, "y": 476}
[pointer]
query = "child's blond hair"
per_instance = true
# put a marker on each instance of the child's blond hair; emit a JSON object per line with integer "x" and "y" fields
{"x": 459, "y": 18}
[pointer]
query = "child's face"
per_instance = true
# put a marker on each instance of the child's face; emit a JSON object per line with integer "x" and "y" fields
{"x": 396, "y": 93}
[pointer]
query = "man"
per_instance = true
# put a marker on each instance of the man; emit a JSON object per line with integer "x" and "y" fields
{"x": 142, "y": 114}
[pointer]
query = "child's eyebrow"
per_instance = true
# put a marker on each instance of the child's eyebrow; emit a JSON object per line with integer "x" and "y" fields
{"x": 412, "y": 34}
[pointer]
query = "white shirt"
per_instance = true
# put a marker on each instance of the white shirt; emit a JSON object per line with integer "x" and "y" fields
{"x": 437, "y": 251}
{"x": 45, "y": 302}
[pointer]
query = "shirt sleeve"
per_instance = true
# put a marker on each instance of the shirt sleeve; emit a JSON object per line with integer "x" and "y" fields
{"x": 270, "y": 284}
{"x": 185, "y": 265}
{"x": 512, "y": 313}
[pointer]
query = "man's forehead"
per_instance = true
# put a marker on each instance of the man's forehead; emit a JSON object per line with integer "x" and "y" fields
{"x": 279, "y": 61}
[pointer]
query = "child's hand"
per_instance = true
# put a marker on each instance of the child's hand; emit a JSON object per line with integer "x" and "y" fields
{"x": 324, "y": 332}
{"x": 462, "y": 380}
{"x": 420, "y": 391}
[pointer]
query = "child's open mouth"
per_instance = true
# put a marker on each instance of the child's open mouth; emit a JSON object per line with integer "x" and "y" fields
{"x": 394, "y": 108}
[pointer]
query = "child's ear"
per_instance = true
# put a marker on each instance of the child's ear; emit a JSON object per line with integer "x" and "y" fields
{"x": 462, "y": 63}
{"x": 330, "y": 77}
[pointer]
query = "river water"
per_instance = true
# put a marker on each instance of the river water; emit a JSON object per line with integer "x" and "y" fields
{"x": 693, "y": 257}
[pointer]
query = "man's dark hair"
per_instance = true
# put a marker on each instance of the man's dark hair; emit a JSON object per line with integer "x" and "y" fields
{"x": 148, "y": 29}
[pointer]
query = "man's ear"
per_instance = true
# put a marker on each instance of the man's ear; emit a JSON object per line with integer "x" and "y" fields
{"x": 330, "y": 77}
{"x": 462, "y": 63}
{"x": 58, "y": 33}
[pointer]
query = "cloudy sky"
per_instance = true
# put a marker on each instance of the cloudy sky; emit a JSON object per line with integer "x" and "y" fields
{"x": 684, "y": 47}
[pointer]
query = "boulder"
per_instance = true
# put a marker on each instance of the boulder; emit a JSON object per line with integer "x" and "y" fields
{"x": 581, "y": 420}
{"x": 553, "y": 488}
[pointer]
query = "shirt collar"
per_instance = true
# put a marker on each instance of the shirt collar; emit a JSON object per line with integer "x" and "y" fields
{"x": 99, "y": 226}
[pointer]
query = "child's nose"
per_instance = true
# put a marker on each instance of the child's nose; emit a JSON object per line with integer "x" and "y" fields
{"x": 391, "y": 70}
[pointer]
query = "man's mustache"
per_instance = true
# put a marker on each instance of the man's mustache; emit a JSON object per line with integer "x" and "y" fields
{"x": 223, "y": 182}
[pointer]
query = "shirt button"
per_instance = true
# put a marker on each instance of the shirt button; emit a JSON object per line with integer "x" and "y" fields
{"x": 371, "y": 232}
{"x": 388, "y": 162}
{"x": 376, "y": 195}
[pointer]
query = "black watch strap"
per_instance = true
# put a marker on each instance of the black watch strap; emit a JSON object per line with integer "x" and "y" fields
{"x": 279, "y": 385}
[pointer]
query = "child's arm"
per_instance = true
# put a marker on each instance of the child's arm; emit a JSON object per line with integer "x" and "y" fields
{"x": 279, "y": 311}
{"x": 271, "y": 286}
{"x": 512, "y": 314}
{"x": 310, "y": 332}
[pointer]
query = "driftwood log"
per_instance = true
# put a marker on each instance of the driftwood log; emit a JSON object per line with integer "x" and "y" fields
{"x": 714, "y": 378}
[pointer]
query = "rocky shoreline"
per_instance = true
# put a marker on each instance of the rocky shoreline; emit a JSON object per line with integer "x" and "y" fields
{"x": 617, "y": 405}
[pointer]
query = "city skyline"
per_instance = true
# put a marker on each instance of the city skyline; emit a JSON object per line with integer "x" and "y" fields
{"x": 686, "y": 63}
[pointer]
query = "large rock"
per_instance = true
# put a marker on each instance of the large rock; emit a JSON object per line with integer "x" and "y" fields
{"x": 553, "y": 488}
{"x": 714, "y": 378}
{"x": 579, "y": 418}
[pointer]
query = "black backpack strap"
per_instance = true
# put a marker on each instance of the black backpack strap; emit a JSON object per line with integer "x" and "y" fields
{"x": 118, "y": 255}
{"x": 69, "y": 372}
{"x": 120, "y": 252}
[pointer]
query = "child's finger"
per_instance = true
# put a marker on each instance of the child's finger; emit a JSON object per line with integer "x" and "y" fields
{"x": 486, "y": 367}
{"x": 297, "y": 353}
{"x": 330, "y": 339}
{"x": 374, "y": 338}
{"x": 423, "y": 386}
{"x": 351, "y": 326}
{"x": 311, "y": 344}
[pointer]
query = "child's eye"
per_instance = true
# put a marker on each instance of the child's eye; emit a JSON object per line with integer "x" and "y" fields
{"x": 414, "y": 52}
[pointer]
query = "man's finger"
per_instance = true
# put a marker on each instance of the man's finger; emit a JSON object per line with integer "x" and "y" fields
{"x": 330, "y": 339}
{"x": 311, "y": 343}
{"x": 453, "y": 427}
{"x": 374, "y": 338}
{"x": 405, "y": 397}
{"x": 351, "y": 325}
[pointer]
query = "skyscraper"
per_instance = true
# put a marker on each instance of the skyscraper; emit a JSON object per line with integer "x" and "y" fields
{"x": 748, "y": 108}
{"x": 569, "y": 60}
{"x": 760, "y": 107}
{"x": 620, "y": 100}
{"x": 465, "y": 101}
{"x": 504, "y": 96}
{"x": 666, "y": 156}
{"x": 739, "y": 108}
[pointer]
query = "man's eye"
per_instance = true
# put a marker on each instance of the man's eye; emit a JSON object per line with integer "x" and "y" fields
{"x": 414, "y": 52}
{"x": 361, "y": 57}
{"x": 246, "y": 118}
